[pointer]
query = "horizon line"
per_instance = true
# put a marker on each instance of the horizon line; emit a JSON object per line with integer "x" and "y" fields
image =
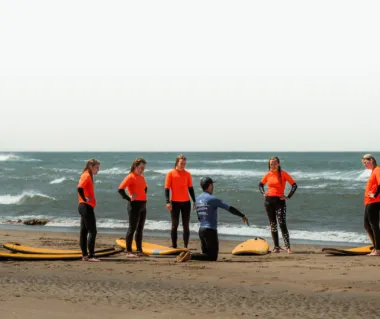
{"x": 72, "y": 151}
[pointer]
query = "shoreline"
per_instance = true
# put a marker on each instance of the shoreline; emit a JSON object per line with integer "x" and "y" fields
{"x": 306, "y": 284}
{"x": 166, "y": 235}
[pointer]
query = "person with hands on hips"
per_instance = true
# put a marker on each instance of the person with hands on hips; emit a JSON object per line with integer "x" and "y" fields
{"x": 275, "y": 200}
{"x": 372, "y": 203}
{"x": 137, "y": 198}
{"x": 86, "y": 206}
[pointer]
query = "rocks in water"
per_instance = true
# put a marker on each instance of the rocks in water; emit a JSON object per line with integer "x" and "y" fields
{"x": 13, "y": 222}
{"x": 32, "y": 222}
{"x": 36, "y": 221}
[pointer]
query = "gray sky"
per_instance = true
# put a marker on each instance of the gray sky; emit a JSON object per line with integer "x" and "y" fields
{"x": 200, "y": 75}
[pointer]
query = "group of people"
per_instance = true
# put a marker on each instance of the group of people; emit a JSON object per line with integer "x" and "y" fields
{"x": 179, "y": 192}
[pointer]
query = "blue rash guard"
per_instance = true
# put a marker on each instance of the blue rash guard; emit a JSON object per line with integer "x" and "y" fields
{"x": 207, "y": 210}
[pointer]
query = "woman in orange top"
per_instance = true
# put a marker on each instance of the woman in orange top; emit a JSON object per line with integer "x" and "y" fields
{"x": 274, "y": 203}
{"x": 87, "y": 203}
{"x": 179, "y": 181}
{"x": 372, "y": 203}
{"x": 137, "y": 189}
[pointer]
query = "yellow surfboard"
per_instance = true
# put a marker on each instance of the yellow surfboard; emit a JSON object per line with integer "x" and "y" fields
{"x": 255, "y": 246}
{"x": 152, "y": 249}
{"x": 21, "y": 256}
{"x": 364, "y": 250}
{"x": 18, "y": 248}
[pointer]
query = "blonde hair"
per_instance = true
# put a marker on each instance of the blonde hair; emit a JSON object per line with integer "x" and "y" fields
{"x": 136, "y": 163}
{"x": 370, "y": 157}
{"x": 90, "y": 163}
{"x": 178, "y": 158}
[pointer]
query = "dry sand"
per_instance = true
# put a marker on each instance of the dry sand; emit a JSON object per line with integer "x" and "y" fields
{"x": 307, "y": 284}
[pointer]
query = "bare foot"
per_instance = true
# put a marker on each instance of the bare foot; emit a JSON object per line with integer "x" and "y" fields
{"x": 141, "y": 254}
{"x": 276, "y": 250}
{"x": 185, "y": 257}
{"x": 180, "y": 256}
{"x": 85, "y": 258}
{"x": 374, "y": 253}
{"x": 94, "y": 259}
{"x": 131, "y": 255}
{"x": 289, "y": 251}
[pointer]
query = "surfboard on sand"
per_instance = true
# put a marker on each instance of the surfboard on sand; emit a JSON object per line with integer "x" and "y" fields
{"x": 255, "y": 246}
{"x": 18, "y": 248}
{"x": 22, "y": 256}
{"x": 152, "y": 249}
{"x": 364, "y": 250}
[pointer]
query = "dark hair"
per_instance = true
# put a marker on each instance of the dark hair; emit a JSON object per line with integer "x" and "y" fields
{"x": 136, "y": 163}
{"x": 369, "y": 157}
{"x": 279, "y": 166}
{"x": 178, "y": 158}
{"x": 90, "y": 163}
{"x": 206, "y": 182}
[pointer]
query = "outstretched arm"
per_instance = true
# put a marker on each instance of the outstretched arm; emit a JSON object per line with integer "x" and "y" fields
{"x": 231, "y": 209}
{"x": 235, "y": 211}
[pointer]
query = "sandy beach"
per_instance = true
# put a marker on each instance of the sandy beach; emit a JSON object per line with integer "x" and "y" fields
{"x": 307, "y": 284}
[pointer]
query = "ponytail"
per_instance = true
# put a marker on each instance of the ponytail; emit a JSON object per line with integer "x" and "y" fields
{"x": 90, "y": 163}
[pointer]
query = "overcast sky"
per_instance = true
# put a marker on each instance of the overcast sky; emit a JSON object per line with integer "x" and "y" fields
{"x": 189, "y": 75}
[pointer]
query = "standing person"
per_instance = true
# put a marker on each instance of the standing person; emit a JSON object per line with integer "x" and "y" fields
{"x": 137, "y": 189}
{"x": 179, "y": 182}
{"x": 207, "y": 210}
{"x": 372, "y": 203}
{"x": 87, "y": 203}
{"x": 275, "y": 200}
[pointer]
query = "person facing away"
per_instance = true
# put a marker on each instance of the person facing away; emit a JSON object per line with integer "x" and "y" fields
{"x": 136, "y": 207}
{"x": 179, "y": 182}
{"x": 372, "y": 203}
{"x": 87, "y": 203}
{"x": 207, "y": 209}
{"x": 275, "y": 200}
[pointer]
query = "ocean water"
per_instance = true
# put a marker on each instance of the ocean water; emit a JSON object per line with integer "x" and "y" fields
{"x": 327, "y": 207}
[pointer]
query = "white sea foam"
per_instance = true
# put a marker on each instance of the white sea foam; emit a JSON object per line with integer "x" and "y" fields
{"x": 58, "y": 180}
{"x": 238, "y": 160}
{"x": 16, "y": 158}
{"x": 114, "y": 171}
{"x": 21, "y": 198}
{"x": 223, "y": 229}
{"x": 219, "y": 172}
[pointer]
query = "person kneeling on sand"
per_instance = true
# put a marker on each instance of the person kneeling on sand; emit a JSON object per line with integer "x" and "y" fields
{"x": 207, "y": 210}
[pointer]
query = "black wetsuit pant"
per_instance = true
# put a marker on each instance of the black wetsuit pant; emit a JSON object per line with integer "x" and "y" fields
{"x": 209, "y": 243}
{"x": 136, "y": 217}
{"x": 371, "y": 222}
{"x": 183, "y": 208}
{"x": 87, "y": 229}
{"x": 276, "y": 211}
